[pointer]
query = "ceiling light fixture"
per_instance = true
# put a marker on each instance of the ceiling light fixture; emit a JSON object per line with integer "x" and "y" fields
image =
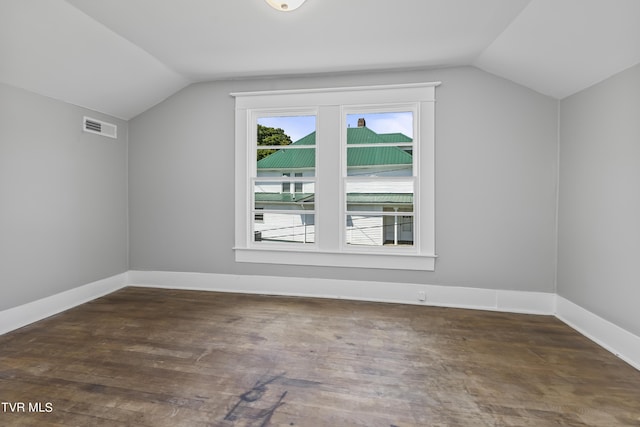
{"x": 285, "y": 5}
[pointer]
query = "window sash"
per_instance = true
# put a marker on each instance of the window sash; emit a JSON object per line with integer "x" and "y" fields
{"x": 348, "y": 179}
{"x": 289, "y": 181}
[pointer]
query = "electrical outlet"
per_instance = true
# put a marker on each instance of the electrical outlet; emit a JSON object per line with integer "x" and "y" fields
{"x": 422, "y": 296}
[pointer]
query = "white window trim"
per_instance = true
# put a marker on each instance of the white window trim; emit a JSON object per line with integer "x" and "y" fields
{"x": 329, "y": 248}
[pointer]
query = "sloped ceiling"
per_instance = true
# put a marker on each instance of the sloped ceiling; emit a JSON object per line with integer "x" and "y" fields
{"x": 121, "y": 57}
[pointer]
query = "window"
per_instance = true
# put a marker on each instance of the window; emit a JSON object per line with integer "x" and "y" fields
{"x": 379, "y": 175}
{"x": 337, "y": 177}
{"x": 284, "y": 177}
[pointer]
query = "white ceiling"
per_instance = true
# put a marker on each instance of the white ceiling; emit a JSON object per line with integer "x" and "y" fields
{"x": 121, "y": 57}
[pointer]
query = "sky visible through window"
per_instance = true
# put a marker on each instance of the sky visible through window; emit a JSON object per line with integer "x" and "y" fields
{"x": 295, "y": 126}
{"x": 385, "y": 122}
{"x": 300, "y": 126}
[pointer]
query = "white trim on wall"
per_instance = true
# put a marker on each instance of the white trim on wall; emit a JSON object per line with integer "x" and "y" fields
{"x": 22, "y": 315}
{"x": 613, "y": 338}
{"x": 404, "y": 293}
{"x": 618, "y": 341}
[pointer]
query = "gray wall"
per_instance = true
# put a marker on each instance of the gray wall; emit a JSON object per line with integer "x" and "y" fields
{"x": 495, "y": 190}
{"x": 599, "y": 204}
{"x": 63, "y": 198}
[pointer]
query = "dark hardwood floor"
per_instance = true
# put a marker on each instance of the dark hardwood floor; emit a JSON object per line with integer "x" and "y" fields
{"x": 154, "y": 357}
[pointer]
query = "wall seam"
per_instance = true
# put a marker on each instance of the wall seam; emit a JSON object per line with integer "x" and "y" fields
{"x": 128, "y": 203}
{"x": 557, "y": 203}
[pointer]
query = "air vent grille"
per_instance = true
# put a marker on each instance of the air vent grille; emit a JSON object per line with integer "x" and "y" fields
{"x": 99, "y": 127}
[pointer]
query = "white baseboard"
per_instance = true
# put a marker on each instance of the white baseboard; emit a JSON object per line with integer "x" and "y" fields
{"x": 405, "y": 293}
{"x": 618, "y": 341}
{"x": 606, "y": 334}
{"x": 22, "y": 315}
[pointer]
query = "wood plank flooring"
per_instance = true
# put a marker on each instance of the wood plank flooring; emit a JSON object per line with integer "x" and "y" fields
{"x": 154, "y": 357}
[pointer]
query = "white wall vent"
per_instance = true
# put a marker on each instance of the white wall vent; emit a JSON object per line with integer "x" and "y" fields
{"x": 99, "y": 127}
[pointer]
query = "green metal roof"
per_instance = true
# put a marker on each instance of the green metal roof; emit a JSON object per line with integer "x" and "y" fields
{"x": 289, "y": 159}
{"x": 378, "y": 198}
{"x": 306, "y": 140}
{"x": 395, "y": 137}
{"x": 362, "y": 135}
{"x": 363, "y": 156}
{"x": 377, "y": 156}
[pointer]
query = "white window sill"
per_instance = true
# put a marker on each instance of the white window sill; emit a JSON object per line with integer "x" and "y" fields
{"x": 337, "y": 259}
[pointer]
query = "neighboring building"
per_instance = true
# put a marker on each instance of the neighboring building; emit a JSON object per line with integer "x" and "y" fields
{"x": 385, "y": 161}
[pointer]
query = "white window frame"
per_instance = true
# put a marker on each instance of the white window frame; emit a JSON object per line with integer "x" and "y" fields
{"x": 330, "y": 105}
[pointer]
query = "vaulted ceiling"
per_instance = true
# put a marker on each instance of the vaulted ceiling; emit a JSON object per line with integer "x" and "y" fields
{"x": 121, "y": 57}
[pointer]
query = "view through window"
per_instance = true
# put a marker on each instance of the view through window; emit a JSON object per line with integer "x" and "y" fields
{"x": 379, "y": 179}
{"x": 284, "y": 184}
